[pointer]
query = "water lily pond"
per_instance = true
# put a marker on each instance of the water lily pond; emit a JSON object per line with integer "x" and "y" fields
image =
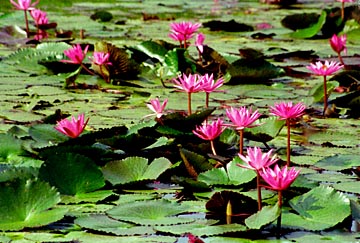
{"x": 136, "y": 176}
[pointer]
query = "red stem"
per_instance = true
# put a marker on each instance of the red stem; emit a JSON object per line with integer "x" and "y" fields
{"x": 189, "y": 103}
{"x": 341, "y": 59}
{"x": 288, "y": 143}
{"x": 207, "y": 100}
{"x": 278, "y": 224}
{"x": 212, "y": 147}
{"x": 258, "y": 190}
{"x": 27, "y": 24}
{"x": 325, "y": 96}
{"x": 241, "y": 141}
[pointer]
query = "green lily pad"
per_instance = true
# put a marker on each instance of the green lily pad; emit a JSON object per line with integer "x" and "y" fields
{"x": 134, "y": 169}
{"x": 72, "y": 173}
{"x": 155, "y": 212}
{"x": 316, "y": 209}
{"x": 263, "y": 217}
{"x": 103, "y": 223}
{"x": 233, "y": 175}
{"x": 312, "y": 30}
{"x": 348, "y": 186}
{"x": 38, "y": 210}
{"x": 339, "y": 162}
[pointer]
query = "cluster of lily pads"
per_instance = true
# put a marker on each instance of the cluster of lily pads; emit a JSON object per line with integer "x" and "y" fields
{"x": 188, "y": 188}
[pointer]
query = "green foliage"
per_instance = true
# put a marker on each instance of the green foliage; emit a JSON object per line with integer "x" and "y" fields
{"x": 316, "y": 209}
{"x": 38, "y": 210}
{"x": 312, "y": 30}
{"x": 133, "y": 169}
{"x": 232, "y": 175}
{"x": 103, "y": 223}
{"x": 9, "y": 146}
{"x": 267, "y": 130}
{"x": 72, "y": 173}
{"x": 265, "y": 216}
{"x": 154, "y": 212}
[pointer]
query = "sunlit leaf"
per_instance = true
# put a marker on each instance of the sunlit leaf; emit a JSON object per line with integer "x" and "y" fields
{"x": 311, "y": 30}
{"x": 315, "y": 209}
{"x": 134, "y": 169}
{"x": 154, "y": 212}
{"x": 265, "y": 216}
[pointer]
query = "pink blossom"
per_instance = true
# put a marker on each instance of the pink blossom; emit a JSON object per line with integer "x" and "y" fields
{"x": 199, "y": 42}
{"x": 346, "y": 1}
{"x": 186, "y": 29}
{"x": 242, "y": 117}
{"x": 286, "y": 110}
{"x": 100, "y": 58}
{"x": 157, "y": 107}
{"x": 24, "y": 4}
{"x": 72, "y": 128}
{"x": 256, "y": 160}
{"x": 279, "y": 180}
{"x": 75, "y": 54}
{"x": 338, "y": 43}
{"x": 39, "y": 16}
{"x": 189, "y": 84}
{"x": 324, "y": 69}
{"x": 209, "y": 85}
{"x": 210, "y": 131}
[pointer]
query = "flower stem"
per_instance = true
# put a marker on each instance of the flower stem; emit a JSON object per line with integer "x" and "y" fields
{"x": 212, "y": 147}
{"x": 325, "y": 96}
{"x": 189, "y": 103}
{"x": 341, "y": 59}
{"x": 258, "y": 190}
{"x": 288, "y": 142}
{"x": 87, "y": 70}
{"x": 241, "y": 141}
{"x": 26, "y": 24}
{"x": 207, "y": 100}
{"x": 278, "y": 223}
{"x": 342, "y": 10}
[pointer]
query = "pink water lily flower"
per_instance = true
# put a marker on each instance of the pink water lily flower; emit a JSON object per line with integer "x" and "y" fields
{"x": 183, "y": 31}
{"x": 242, "y": 117}
{"x": 338, "y": 43}
{"x": 189, "y": 84}
{"x": 100, "y": 58}
{"x": 40, "y": 17}
{"x": 24, "y": 4}
{"x": 346, "y": 1}
{"x": 75, "y": 54}
{"x": 210, "y": 131}
{"x": 72, "y": 128}
{"x": 157, "y": 107}
{"x": 256, "y": 159}
{"x": 277, "y": 179}
{"x": 209, "y": 85}
{"x": 287, "y": 110}
{"x": 325, "y": 68}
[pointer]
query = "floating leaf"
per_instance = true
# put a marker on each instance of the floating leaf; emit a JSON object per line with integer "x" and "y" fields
{"x": 348, "y": 186}
{"x": 46, "y": 135}
{"x": 317, "y": 92}
{"x": 155, "y": 212}
{"x": 316, "y": 209}
{"x": 72, "y": 173}
{"x": 269, "y": 128}
{"x": 232, "y": 175}
{"x": 153, "y": 50}
{"x": 202, "y": 229}
{"x": 103, "y": 223}
{"x": 9, "y": 146}
{"x": 312, "y": 30}
{"x": 134, "y": 169}
{"x": 339, "y": 162}
{"x": 263, "y": 217}
{"x": 28, "y": 203}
